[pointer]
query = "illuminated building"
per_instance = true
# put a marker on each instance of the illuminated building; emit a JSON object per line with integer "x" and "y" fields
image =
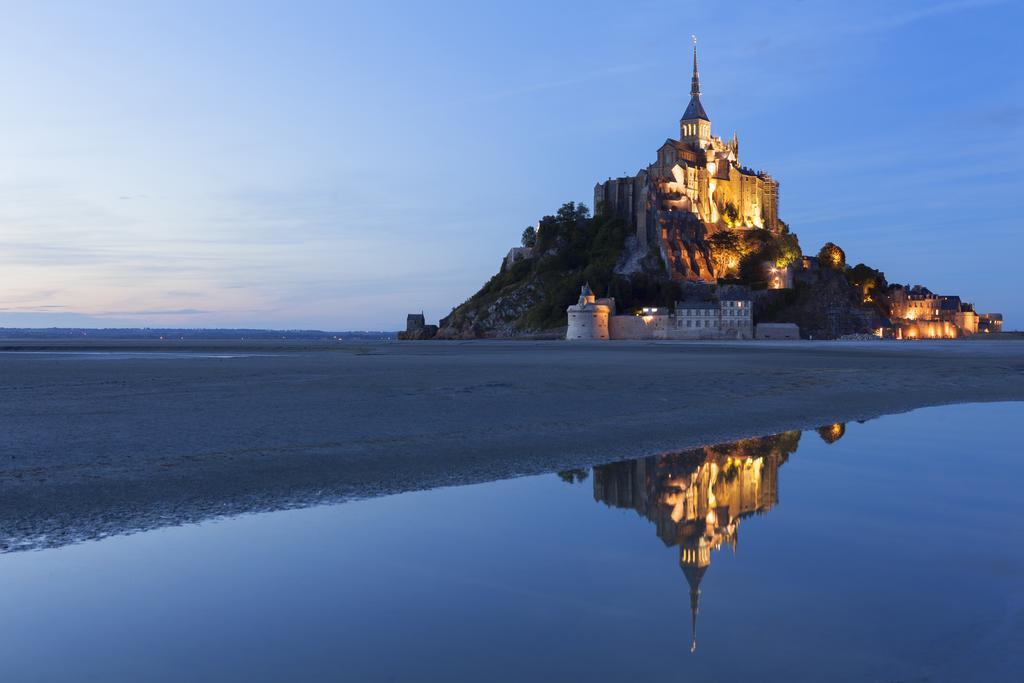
{"x": 917, "y": 313}
{"x": 990, "y": 322}
{"x": 695, "y": 187}
{"x": 727, "y": 316}
{"x": 696, "y": 499}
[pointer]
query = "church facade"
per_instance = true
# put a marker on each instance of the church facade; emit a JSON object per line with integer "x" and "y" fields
{"x": 695, "y": 188}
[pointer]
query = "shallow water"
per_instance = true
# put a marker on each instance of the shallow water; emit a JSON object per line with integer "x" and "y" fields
{"x": 127, "y": 355}
{"x": 890, "y": 550}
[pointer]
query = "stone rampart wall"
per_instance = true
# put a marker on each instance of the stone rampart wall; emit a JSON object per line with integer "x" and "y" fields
{"x": 664, "y": 327}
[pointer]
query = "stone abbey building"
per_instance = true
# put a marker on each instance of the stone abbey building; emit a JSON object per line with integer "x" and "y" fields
{"x": 695, "y": 187}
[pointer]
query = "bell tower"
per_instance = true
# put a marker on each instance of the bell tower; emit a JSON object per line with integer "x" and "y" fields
{"x": 695, "y": 126}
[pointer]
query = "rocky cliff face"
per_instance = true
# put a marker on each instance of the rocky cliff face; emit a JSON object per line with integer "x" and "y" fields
{"x": 824, "y": 306}
{"x": 501, "y": 316}
{"x": 688, "y": 251}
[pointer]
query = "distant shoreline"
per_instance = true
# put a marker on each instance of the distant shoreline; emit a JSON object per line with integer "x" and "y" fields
{"x": 299, "y": 344}
{"x": 93, "y": 447}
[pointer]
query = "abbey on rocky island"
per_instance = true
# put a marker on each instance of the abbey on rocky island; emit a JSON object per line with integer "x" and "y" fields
{"x": 695, "y": 187}
{"x": 700, "y": 253}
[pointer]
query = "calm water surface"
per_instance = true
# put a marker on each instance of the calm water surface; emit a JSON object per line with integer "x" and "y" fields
{"x": 129, "y": 355}
{"x": 885, "y": 551}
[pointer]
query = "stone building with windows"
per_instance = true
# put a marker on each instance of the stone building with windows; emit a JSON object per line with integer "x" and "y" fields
{"x": 917, "y": 313}
{"x": 990, "y": 322}
{"x": 416, "y": 327}
{"x": 695, "y": 187}
{"x": 728, "y": 316}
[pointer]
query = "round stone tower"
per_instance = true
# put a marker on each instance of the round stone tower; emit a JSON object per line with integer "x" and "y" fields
{"x": 588, "y": 318}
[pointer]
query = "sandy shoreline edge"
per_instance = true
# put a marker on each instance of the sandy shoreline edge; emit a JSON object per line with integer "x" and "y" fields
{"x": 98, "y": 447}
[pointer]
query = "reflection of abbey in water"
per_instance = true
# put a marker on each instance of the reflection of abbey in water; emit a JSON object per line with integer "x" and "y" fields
{"x": 697, "y": 498}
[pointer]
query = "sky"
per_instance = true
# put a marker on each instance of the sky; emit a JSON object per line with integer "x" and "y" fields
{"x": 336, "y": 165}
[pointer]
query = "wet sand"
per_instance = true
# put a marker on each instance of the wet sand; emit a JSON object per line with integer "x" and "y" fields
{"x": 158, "y": 433}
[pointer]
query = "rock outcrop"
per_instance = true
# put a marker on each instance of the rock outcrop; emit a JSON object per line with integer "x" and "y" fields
{"x": 824, "y": 306}
{"x": 688, "y": 252}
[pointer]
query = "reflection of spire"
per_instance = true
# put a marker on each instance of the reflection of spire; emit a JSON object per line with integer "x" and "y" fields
{"x": 698, "y": 498}
{"x": 693, "y": 577}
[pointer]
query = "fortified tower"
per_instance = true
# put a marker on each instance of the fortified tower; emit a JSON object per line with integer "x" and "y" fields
{"x": 588, "y": 318}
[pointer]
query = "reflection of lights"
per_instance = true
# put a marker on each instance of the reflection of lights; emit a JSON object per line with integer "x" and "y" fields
{"x": 832, "y": 433}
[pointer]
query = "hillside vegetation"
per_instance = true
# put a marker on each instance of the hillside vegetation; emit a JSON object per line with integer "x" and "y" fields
{"x": 571, "y": 247}
{"x": 531, "y": 295}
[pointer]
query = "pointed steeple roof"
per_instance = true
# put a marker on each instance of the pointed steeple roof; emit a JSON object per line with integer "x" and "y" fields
{"x": 695, "y": 110}
{"x": 693, "y": 576}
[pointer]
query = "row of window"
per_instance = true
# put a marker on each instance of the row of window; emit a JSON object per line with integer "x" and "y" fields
{"x": 690, "y": 129}
{"x": 707, "y": 312}
{"x": 707, "y": 323}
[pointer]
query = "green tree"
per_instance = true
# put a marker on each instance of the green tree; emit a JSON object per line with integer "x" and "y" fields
{"x": 784, "y": 250}
{"x": 726, "y": 252}
{"x": 870, "y": 284}
{"x": 831, "y": 256}
{"x": 731, "y": 215}
{"x": 577, "y": 476}
{"x": 832, "y": 433}
{"x": 530, "y": 236}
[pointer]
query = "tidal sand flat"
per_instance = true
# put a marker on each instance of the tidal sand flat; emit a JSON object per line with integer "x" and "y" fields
{"x": 884, "y": 551}
{"x": 93, "y": 447}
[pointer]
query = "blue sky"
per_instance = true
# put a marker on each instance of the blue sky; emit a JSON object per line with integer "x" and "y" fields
{"x": 339, "y": 164}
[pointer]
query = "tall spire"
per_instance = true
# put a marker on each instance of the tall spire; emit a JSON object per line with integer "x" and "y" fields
{"x": 695, "y": 81}
{"x": 695, "y": 110}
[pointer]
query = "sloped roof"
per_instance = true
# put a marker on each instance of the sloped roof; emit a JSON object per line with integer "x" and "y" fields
{"x": 695, "y": 110}
{"x": 692, "y": 305}
{"x": 949, "y": 303}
